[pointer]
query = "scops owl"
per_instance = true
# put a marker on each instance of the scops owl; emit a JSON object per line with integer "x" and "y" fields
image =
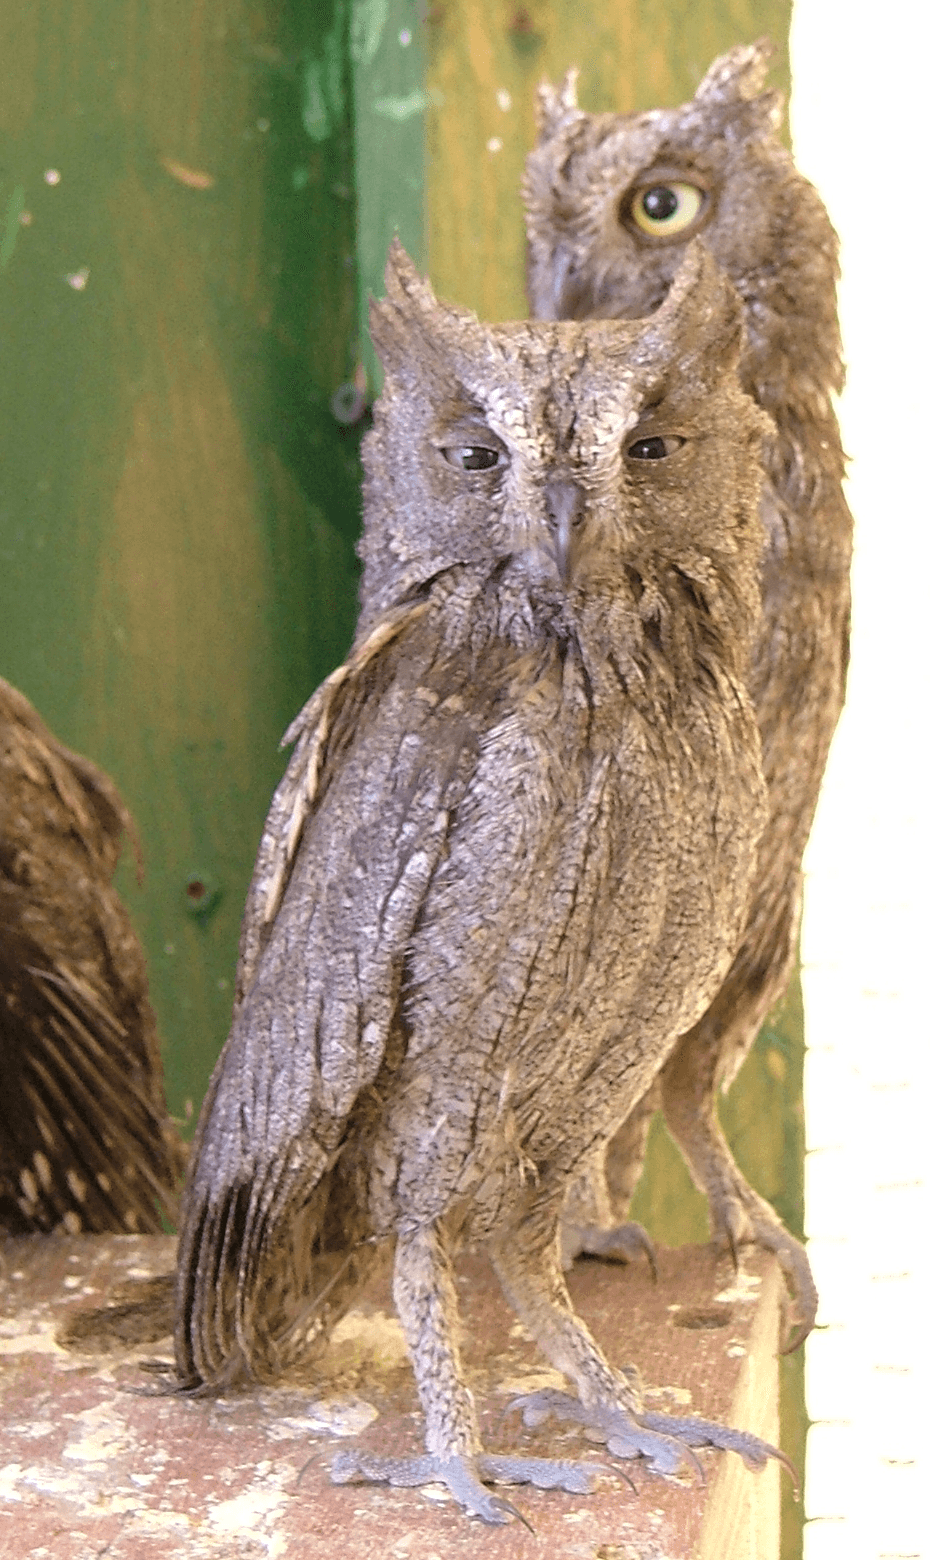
{"x": 613, "y": 203}
{"x": 86, "y": 1142}
{"x": 508, "y": 862}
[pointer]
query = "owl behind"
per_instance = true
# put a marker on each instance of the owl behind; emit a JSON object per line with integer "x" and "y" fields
{"x": 612, "y": 203}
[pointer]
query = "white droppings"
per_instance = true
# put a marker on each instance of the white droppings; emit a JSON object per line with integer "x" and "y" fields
{"x": 101, "y": 1435}
{"x": 340, "y": 1416}
{"x": 10, "y": 1476}
{"x": 735, "y": 1351}
{"x": 495, "y": 144}
{"x": 532, "y": 1381}
{"x": 71, "y": 1281}
{"x": 404, "y": 37}
{"x": 744, "y": 1287}
{"x": 13, "y": 1340}
{"x": 252, "y": 1513}
{"x": 78, "y": 279}
{"x": 52, "y": 176}
{"x": 680, "y": 1396}
{"x": 504, "y": 100}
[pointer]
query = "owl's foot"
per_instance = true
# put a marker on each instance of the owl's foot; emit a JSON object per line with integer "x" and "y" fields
{"x": 617, "y": 1243}
{"x": 463, "y": 1477}
{"x": 460, "y": 1475}
{"x": 663, "y": 1441}
{"x": 740, "y": 1217}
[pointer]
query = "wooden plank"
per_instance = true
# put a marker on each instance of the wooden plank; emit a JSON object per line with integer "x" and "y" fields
{"x": 90, "y": 1463}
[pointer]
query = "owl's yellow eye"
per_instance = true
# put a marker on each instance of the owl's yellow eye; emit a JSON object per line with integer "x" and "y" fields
{"x": 666, "y": 209}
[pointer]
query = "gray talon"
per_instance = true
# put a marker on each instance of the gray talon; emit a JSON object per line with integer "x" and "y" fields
{"x": 622, "y": 1243}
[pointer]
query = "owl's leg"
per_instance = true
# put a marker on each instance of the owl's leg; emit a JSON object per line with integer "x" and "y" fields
{"x": 738, "y": 1214}
{"x": 427, "y": 1305}
{"x": 609, "y": 1401}
{"x": 592, "y": 1216}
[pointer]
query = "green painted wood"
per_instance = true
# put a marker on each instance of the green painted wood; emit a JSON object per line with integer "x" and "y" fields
{"x": 178, "y": 505}
{"x": 387, "y": 46}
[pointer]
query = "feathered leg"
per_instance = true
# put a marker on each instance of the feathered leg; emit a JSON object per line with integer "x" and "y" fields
{"x": 597, "y": 1201}
{"x": 427, "y": 1305}
{"x": 609, "y": 1401}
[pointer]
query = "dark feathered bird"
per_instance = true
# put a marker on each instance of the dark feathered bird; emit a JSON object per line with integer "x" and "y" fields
{"x": 613, "y": 202}
{"x": 86, "y": 1143}
{"x": 507, "y": 865}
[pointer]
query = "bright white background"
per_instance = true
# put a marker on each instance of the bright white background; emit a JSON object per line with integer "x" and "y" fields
{"x": 860, "y": 106}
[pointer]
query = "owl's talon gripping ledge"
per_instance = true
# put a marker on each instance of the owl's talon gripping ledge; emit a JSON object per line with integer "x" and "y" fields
{"x": 621, "y": 1243}
{"x": 664, "y": 1441}
{"x": 460, "y": 1475}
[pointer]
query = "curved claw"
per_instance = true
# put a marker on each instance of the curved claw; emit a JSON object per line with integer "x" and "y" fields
{"x": 704, "y": 1432}
{"x": 744, "y": 1218}
{"x": 621, "y": 1243}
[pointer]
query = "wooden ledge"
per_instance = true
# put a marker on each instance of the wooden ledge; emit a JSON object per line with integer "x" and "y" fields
{"x": 91, "y": 1465}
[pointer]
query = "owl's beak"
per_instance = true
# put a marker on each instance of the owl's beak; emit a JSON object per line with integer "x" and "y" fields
{"x": 565, "y": 511}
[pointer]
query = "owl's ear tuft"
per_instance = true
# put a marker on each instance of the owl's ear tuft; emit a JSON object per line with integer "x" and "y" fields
{"x": 702, "y": 317}
{"x": 409, "y": 306}
{"x": 738, "y": 77}
{"x": 556, "y": 106}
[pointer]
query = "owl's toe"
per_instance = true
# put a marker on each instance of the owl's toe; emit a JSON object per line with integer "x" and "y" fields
{"x": 618, "y": 1243}
{"x": 745, "y": 1219}
{"x": 663, "y": 1442}
{"x": 460, "y": 1475}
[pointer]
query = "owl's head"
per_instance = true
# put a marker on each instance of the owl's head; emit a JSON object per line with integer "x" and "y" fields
{"x": 550, "y": 457}
{"x": 613, "y": 200}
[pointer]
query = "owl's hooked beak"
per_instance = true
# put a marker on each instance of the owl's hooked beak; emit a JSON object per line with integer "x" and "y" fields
{"x": 565, "y": 512}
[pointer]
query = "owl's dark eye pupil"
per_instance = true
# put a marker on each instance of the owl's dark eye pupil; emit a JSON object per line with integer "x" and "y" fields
{"x": 476, "y": 458}
{"x": 660, "y": 203}
{"x": 655, "y": 448}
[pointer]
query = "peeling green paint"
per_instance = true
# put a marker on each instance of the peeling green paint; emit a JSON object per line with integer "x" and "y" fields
{"x": 324, "y": 97}
{"x": 401, "y": 108}
{"x": 369, "y": 19}
{"x": 388, "y": 46}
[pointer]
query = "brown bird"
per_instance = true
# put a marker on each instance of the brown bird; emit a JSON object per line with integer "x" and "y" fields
{"x": 507, "y": 865}
{"x": 613, "y": 202}
{"x": 86, "y": 1142}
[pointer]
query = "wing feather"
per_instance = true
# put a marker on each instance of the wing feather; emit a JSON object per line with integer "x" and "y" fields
{"x": 384, "y": 751}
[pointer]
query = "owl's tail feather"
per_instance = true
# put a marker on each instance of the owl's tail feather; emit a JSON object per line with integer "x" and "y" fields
{"x": 261, "y": 1296}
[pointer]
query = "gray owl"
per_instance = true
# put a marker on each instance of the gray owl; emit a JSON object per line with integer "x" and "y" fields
{"x": 612, "y": 203}
{"x": 86, "y": 1142}
{"x": 508, "y": 862}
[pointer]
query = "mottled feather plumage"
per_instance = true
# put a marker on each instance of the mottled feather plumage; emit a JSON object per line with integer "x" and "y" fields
{"x": 86, "y": 1142}
{"x": 589, "y": 256}
{"x": 508, "y": 861}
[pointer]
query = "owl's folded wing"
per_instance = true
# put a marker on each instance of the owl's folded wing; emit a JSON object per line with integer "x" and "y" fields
{"x": 384, "y": 753}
